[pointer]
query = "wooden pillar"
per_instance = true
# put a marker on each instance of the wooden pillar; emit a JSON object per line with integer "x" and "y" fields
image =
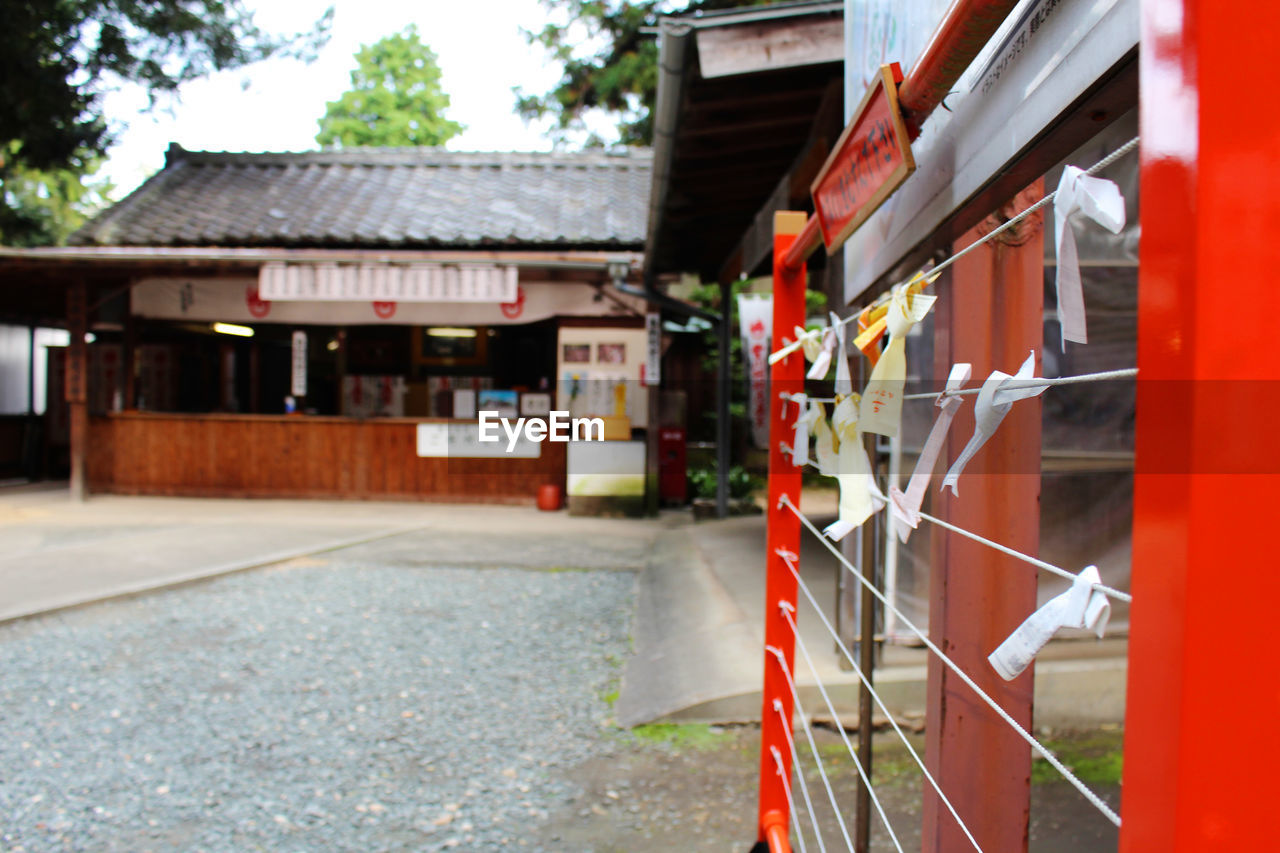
{"x": 77, "y": 386}
{"x": 130, "y": 355}
{"x": 782, "y": 539}
{"x": 990, "y": 316}
{"x": 1203, "y": 625}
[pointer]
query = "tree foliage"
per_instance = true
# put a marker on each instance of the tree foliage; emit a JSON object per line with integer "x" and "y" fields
{"x": 615, "y": 73}
{"x": 395, "y": 98}
{"x": 58, "y": 58}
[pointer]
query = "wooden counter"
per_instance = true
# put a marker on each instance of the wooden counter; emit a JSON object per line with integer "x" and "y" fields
{"x": 299, "y": 456}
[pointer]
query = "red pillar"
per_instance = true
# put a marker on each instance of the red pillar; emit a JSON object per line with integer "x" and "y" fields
{"x": 1203, "y": 622}
{"x": 787, "y": 376}
{"x": 990, "y": 316}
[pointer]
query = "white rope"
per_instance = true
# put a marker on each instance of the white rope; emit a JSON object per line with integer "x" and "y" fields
{"x": 1027, "y": 558}
{"x": 995, "y": 232}
{"x": 1037, "y": 382}
{"x": 813, "y": 745}
{"x": 1035, "y": 744}
{"x": 862, "y": 772}
{"x": 791, "y": 803}
{"x": 787, "y": 558}
{"x": 1005, "y": 549}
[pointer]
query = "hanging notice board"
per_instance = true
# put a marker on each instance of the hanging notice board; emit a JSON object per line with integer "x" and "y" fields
{"x": 871, "y": 159}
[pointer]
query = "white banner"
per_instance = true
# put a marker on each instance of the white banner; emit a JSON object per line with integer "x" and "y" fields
{"x": 298, "y": 384}
{"x": 755, "y": 325}
{"x": 237, "y": 300}
{"x": 331, "y": 282}
{"x": 653, "y": 349}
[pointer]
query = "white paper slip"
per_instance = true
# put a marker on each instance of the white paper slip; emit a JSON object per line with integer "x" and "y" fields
{"x": 996, "y": 398}
{"x": 1101, "y": 201}
{"x": 1079, "y": 607}
{"x": 905, "y": 506}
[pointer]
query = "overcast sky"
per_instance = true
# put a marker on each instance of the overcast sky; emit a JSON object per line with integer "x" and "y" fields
{"x": 274, "y": 106}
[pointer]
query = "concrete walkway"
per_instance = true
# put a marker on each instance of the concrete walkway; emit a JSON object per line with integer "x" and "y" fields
{"x": 698, "y": 627}
{"x": 56, "y": 554}
{"x": 699, "y": 631}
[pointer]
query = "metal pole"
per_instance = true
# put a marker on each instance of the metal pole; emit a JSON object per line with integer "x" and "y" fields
{"x": 723, "y": 433}
{"x": 866, "y": 660}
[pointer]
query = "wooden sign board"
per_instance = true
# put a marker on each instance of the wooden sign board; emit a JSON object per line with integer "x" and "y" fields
{"x": 871, "y": 159}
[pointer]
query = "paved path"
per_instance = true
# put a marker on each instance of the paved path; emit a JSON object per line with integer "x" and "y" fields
{"x": 697, "y": 629}
{"x": 58, "y": 554}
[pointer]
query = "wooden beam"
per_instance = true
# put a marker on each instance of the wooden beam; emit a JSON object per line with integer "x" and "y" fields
{"x": 77, "y": 385}
{"x": 769, "y": 45}
{"x": 792, "y": 190}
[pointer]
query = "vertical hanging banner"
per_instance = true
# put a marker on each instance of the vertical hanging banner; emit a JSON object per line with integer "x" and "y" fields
{"x": 755, "y": 325}
{"x": 298, "y": 385}
{"x": 870, "y": 160}
{"x": 652, "y": 366}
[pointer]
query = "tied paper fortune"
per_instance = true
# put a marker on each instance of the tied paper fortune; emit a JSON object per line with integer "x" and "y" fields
{"x": 1082, "y": 606}
{"x": 820, "y": 352}
{"x": 996, "y": 398}
{"x": 882, "y": 399}
{"x": 805, "y": 416}
{"x": 1101, "y": 201}
{"x": 859, "y": 497}
{"x": 844, "y": 381}
{"x": 905, "y": 507}
{"x": 824, "y": 446}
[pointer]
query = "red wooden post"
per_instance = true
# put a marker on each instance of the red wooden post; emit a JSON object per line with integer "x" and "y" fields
{"x": 992, "y": 317}
{"x": 787, "y": 376}
{"x": 1203, "y": 622}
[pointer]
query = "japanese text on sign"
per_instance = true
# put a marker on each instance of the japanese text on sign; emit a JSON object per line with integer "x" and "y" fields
{"x": 872, "y": 158}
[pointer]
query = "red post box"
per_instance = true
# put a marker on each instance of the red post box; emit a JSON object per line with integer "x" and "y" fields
{"x": 671, "y": 464}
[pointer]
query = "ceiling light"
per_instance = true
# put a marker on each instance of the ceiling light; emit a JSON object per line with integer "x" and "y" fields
{"x": 450, "y": 332}
{"x": 233, "y": 329}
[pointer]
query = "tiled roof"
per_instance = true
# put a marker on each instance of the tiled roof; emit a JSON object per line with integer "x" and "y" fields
{"x": 384, "y": 197}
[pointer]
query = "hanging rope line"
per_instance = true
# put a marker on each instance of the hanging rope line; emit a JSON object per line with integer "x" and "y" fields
{"x": 789, "y": 615}
{"x": 1005, "y": 549}
{"x": 986, "y": 238}
{"x": 1084, "y": 789}
{"x": 1037, "y": 382}
{"x": 789, "y": 559}
{"x": 813, "y": 744}
{"x": 791, "y": 803}
{"x": 1026, "y": 558}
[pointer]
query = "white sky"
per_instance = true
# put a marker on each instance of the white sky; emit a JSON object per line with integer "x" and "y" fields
{"x": 274, "y": 106}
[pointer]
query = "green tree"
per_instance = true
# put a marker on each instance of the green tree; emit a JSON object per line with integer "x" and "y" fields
{"x": 58, "y": 58}
{"x": 615, "y": 73}
{"x": 43, "y": 206}
{"x": 395, "y": 98}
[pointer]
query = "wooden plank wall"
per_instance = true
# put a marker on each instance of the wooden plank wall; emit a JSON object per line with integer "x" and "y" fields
{"x": 299, "y": 457}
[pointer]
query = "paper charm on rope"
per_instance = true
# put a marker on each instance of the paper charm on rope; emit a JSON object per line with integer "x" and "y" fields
{"x": 844, "y": 381}
{"x": 819, "y": 352}
{"x": 905, "y": 507}
{"x": 809, "y": 340}
{"x": 996, "y": 398}
{"x": 1079, "y": 607}
{"x": 882, "y": 399}
{"x": 859, "y": 497}
{"x": 1100, "y": 200}
{"x": 805, "y": 421}
{"x": 824, "y": 447}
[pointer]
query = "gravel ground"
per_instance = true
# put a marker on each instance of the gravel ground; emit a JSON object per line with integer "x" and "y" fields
{"x": 323, "y": 705}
